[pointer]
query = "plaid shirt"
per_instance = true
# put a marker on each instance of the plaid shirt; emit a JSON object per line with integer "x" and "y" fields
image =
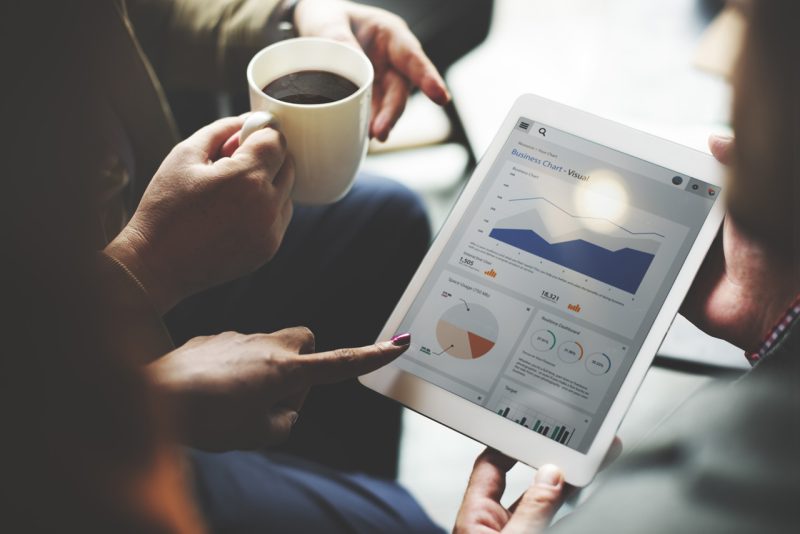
{"x": 777, "y": 333}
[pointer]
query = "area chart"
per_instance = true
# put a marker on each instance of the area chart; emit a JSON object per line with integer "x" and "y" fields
{"x": 598, "y": 248}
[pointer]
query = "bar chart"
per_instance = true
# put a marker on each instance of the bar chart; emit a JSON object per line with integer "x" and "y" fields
{"x": 539, "y": 423}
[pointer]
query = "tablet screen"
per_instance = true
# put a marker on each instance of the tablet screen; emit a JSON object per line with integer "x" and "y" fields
{"x": 548, "y": 287}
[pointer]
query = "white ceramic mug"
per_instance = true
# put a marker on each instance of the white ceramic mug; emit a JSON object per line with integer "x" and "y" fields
{"x": 327, "y": 141}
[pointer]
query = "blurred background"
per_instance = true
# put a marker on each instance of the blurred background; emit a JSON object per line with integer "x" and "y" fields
{"x": 656, "y": 66}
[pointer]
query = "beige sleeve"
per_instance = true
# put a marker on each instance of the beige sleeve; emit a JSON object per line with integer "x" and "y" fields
{"x": 133, "y": 326}
{"x": 201, "y": 44}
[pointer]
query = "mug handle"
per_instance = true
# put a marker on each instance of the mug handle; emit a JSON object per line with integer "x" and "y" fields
{"x": 257, "y": 121}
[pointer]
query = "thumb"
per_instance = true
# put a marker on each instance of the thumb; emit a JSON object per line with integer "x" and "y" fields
{"x": 278, "y": 425}
{"x": 722, "y": 148}
{"x": 538, "y": 505}
{"x": 210, "y": 139}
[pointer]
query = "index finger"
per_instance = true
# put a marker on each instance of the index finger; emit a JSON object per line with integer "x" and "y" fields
{"x": 210, "y": 138}
{"x": 406, "y": 55}
{"x": 263, "y": 148}
{"x": 342, "y": 364}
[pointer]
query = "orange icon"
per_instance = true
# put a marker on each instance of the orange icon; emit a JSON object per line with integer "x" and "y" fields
{"x": 491, "y": 273}
{"x": 574, "y": 307}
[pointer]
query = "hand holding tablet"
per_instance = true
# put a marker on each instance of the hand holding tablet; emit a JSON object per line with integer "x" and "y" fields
{"x": 541, "y": 304}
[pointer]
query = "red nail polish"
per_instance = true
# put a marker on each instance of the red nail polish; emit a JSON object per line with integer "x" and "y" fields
{"x": 401, "y": 340}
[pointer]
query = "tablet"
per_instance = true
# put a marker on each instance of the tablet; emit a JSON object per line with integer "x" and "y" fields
{"x": 544, "y": 298}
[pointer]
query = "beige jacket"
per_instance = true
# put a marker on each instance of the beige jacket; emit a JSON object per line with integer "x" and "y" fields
{"x": 152, "y": 45}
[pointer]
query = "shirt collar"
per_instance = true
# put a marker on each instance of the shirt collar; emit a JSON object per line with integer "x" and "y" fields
{"x": 776, "y": 334}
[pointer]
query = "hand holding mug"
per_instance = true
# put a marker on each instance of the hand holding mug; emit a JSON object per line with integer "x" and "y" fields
{"x": 328, "y": 140}
{"x": 206, "y": 219}
{"x": 294, "y": 84}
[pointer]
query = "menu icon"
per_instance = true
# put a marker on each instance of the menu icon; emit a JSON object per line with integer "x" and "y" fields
{"x": 524, "y": 125}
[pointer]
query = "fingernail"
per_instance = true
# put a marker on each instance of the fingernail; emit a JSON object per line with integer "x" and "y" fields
{"x": 446, "y": 96}
{"x": 401, "y": 340}
{"x": 548, "y": 475}
{"x": 437, "y": 84}
{"x": 293, "y": 417}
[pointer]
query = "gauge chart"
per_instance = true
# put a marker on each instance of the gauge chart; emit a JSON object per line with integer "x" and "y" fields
{"x": 467, "y": 331}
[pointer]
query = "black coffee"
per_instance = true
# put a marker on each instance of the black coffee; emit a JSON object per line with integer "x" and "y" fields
{"x": 310, "y": 87}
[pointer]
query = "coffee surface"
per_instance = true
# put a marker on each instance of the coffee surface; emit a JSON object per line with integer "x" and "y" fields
{"x": 310, "y": 87}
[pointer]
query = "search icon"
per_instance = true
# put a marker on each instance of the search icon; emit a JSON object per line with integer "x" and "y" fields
{"x": 543, "y": 132}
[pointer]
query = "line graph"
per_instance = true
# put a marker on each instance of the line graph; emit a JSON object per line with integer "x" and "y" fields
{"x": 604, "y": 250}
{"x": 586, "y": 217}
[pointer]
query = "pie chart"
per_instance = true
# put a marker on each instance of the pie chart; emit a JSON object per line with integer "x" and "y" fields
{"x": 467, "y": 331}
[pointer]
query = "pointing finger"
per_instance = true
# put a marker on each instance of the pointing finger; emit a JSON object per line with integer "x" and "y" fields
{"x": 342, "y": 364}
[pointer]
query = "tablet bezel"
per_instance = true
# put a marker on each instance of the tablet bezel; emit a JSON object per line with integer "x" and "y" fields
{"x": 484, "y": 425}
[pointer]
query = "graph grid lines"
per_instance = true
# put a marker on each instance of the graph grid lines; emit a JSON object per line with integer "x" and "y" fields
{"x": 583, "y": 217}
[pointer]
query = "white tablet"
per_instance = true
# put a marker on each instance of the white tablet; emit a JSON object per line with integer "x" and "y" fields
{"x": 542, "y": 301}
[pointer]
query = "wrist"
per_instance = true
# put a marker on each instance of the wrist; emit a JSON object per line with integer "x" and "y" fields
{"x": 332, "y": 19}
{"x": 129, "y": 249}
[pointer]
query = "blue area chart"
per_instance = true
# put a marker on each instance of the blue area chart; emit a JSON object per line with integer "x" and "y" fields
{"x": 624, "y": 269}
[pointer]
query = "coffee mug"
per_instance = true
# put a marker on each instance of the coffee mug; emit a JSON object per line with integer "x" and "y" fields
{"x": 327, "y": 141}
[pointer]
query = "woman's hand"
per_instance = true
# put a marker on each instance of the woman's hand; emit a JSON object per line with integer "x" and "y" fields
{"x": 741, "y": 290}
{"x": 396, "y": 54}
{"x": 235, "y": 391}
{"x": 481, "y": 511}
